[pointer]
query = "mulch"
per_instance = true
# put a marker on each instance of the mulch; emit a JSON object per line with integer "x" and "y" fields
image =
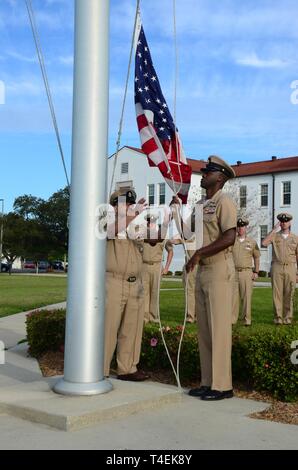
{"x": 52, "y": 364}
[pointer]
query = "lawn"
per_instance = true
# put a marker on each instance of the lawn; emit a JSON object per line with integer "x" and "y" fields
{"x": 172, "y": 307}
{"x": 22, "y": 293}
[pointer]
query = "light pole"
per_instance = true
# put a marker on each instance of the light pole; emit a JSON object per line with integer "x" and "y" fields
{"x": 1, "y": 229}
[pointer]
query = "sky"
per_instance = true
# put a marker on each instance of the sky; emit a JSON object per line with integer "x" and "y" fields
{"x": 237, "y": 61}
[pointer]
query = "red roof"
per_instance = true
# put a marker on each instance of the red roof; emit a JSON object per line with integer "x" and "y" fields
{"x": 277, "y": 165}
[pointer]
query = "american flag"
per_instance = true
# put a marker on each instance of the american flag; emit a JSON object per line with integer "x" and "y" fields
{"x": 159, "y": 136}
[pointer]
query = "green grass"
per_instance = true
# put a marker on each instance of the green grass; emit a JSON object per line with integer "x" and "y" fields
{"x": 172, "y": 308}
{"x": 171, "y": 285}
{"x": 22, "y": 293}
{"x": 263, "y": 279}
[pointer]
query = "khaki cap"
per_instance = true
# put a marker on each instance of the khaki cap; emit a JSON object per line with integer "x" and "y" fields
{"x": 284, "y": 217}
{"x": 242, "y": 222}
{"x": 130, "y": 195}
{"x": 216, "y": 163}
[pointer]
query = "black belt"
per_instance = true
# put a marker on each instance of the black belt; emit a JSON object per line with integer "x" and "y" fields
{"x": 120, "y": 276}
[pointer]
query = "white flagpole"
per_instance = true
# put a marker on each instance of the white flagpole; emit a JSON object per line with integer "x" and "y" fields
{"x": 84, "y": 343}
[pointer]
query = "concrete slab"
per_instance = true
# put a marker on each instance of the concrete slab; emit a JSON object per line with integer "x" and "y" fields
{"x": 188, "y": 424}
{"x": 37, "y": 403}
{"x": 19, "y": 367}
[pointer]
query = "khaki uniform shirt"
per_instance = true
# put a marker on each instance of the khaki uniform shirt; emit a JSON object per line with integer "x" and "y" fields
{"x": 219, "y": 215}
{"x": 244, "y": 251}
{"x": 153, "y": 253}
{"x": 284, "y": 250}
{"x": 125, "y": 257}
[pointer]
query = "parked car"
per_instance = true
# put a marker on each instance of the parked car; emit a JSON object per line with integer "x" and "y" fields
{"x": 4, "y": 267}
{"x": 43, "y": 265}
{"x": 57, "y": 265}
{"x": 29, "y": 265}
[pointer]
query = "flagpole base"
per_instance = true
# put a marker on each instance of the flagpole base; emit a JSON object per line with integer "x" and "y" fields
{"x": 64, "y": 387}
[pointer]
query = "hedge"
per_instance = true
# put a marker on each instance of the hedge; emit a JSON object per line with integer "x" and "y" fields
{"x": 260, "y": 357}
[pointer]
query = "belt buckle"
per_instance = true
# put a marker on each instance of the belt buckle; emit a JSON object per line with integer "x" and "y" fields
{"x": 131, "y": 279}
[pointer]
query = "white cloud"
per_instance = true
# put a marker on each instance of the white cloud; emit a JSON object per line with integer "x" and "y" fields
{"x": 21, "y": 57}
{"x": 252, "y": 60}
{"x": 24, "y": 88}
{"x": 32, "y": 86}
{"x": 66, "y": 60}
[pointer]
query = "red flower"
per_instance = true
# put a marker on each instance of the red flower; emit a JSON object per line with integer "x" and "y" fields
{"x": 266, "y": 366}
{"x": 153, "y": 342}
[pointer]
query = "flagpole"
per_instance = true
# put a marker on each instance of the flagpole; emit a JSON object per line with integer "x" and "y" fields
{"x": 84, "y": 342}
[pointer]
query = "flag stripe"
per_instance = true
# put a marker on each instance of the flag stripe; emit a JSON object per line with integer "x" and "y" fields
{"x": 149, "y": 146}
{"x": 142, "y": 121}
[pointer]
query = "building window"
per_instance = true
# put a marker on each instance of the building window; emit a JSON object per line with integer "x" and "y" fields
{"x": 162, "y": 193}
{"x": 264, "y": 195}
{"x": 243, "y": 196}
{"x": 124, "y": 168}
{"x": 263, "y": 233}
{"x": 150, "y": 191}
{"x": 286, "y": 193}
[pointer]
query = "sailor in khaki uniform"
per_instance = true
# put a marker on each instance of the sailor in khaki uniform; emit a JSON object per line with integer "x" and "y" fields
{"x": 124, "y": 291}
{"x": 152, "y": 269}
{"x": 283, "y": 268}
{"x": 214, "y": 283}
{"x": 245, "y": 253}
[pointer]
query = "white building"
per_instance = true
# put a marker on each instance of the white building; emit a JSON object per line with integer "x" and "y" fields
{"x": 262, "y": 190}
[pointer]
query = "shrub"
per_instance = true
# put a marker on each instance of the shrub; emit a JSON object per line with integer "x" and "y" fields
{"x": 260, "y": 356}
{"x": 178, "y": 273}
{"x": 262, "y": 274}
{"x": 45, "y": 331}
{"x": 169, "y": 273}
{"x": 154, "y": 355}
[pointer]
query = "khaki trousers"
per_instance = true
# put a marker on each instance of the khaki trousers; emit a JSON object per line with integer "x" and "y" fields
{"x": 191, "y": 293}
{"x": 214, "y": 286}
{"x": 243, "y": 286}
{"x": 283, "y": 280}
{"x": 151, "y": 278}
{"x": 123, "y": 323}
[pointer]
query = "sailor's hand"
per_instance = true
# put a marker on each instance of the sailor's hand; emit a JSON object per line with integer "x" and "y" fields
{"x": 191, "y": 264}
{"x": 138, "y": 208}
{"x": 175, "y": 200}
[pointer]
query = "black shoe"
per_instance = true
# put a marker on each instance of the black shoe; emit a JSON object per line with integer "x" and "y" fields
{"x": 198, "y": 392}
{"x": 138, "y": 376}
{"x": 217, "y": 395}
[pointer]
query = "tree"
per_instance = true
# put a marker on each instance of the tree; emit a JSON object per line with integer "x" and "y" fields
{"x": 27, "y": 206}
{"x": 53, "y": 215}
{"x": 24, "y": 238}
{"x": 247, "y": 206}
{"x": 49, "y": 224}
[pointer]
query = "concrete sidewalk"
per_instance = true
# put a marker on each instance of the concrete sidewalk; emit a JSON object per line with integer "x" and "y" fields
{"x": 132, "y": 416}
